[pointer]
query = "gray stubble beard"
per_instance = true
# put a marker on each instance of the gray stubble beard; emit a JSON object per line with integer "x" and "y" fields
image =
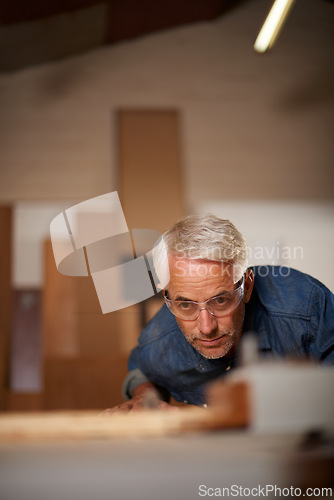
{"x": 233, "y": 340}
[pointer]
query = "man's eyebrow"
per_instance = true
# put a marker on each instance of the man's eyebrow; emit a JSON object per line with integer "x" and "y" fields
{"x": 180, "y": 297}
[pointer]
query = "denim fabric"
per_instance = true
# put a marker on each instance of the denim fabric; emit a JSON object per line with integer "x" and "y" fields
{"x": 290, "y": 312}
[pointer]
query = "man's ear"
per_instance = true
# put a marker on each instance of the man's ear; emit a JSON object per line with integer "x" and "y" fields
{"x": 249, "y": 284}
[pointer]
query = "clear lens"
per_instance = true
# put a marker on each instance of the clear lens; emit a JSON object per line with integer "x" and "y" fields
{"x": 219, "y": 306}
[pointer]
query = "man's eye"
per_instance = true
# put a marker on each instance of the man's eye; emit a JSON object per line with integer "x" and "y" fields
{"x": 220, "y": 300}
{"x": 184, "y": 305}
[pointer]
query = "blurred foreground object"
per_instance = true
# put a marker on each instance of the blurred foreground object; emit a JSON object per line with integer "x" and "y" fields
{"x": 54, "y": 426}
{"x": 284, "y": 396}
{"x": 282, "y": 400}
{"x": 273, "y": 25}
{"x": 267, "y": 397}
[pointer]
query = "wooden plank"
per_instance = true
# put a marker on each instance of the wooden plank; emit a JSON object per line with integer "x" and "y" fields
{"x": 73, "y": 324}
{"x": 59, "y": 321}
{"x": 24, "y": 402}
{"x": 150, "y": 168}
{"x": 5, "y": 298}
{"x": 115, "y": 333}
{"x": 84, "y": 383}
{"x": 90, "y": 425}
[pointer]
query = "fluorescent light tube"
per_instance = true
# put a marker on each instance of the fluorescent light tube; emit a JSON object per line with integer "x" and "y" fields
{"x": 273, "y": 25}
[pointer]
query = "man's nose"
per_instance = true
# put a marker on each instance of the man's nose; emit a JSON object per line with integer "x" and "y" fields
{"x": 206, "y": 322}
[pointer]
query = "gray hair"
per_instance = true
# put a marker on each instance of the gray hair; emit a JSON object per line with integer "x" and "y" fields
{"x": 203, "y": 237}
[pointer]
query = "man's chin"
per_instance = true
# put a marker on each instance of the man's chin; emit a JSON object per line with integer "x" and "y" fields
{"x": 212, "y": 350}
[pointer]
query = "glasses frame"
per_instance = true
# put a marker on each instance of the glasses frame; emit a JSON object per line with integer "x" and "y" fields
{"x": 169, "y": 302}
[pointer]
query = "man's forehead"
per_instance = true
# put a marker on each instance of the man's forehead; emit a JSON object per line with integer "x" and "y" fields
{"x": 183, "y": 267}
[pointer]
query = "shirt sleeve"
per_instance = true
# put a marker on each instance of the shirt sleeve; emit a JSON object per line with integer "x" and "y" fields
{"x": 133, "y": 379}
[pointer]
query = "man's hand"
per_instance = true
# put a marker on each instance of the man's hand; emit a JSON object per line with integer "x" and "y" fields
{"x": 145, "y": 395}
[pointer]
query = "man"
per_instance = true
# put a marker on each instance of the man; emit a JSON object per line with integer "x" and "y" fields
{"x": 211, "y": 299}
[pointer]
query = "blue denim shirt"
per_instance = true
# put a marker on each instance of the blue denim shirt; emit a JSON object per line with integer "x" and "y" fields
{"x": 290, "y": 312}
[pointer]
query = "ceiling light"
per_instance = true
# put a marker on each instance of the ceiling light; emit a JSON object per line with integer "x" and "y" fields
{"x": 273, "y": 25}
